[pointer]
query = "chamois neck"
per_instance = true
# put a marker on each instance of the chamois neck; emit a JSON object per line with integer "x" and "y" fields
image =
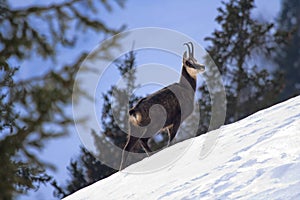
{"x": 187, "y": 80}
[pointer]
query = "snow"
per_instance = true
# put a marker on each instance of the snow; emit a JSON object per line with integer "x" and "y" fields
{"x": 255, "y": 158}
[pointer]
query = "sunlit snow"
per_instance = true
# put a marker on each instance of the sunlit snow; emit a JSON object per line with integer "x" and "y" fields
{"x": 255, "y": 158}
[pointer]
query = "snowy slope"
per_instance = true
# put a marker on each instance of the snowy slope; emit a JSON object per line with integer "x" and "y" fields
{"x": 255, "y": 158}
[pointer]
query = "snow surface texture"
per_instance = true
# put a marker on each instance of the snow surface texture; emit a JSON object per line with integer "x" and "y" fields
{"x": 255, "y": 158}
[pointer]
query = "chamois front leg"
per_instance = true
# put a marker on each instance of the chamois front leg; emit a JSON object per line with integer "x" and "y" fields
{"x": 130, "y": 144}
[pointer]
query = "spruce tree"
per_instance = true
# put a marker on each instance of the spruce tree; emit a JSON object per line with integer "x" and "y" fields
{"x": 288, "y": 55}
{"x": 33, "y": 109}
{"x": 88, "y": 168}
{"x": 236, "y": 47}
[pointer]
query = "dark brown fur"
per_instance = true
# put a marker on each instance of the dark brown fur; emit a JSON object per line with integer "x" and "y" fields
{"x": 175, "y": 103}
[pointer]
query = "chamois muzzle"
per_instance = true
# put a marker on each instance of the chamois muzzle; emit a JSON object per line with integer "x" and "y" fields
{"x": 190, "y": 60}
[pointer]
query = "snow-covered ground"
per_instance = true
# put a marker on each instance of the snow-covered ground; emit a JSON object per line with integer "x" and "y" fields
{"x": 255, "y": 158}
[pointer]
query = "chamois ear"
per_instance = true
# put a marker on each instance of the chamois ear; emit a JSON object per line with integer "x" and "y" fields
{"x": 184, "y": 55}
{"x": 184, "y": 58}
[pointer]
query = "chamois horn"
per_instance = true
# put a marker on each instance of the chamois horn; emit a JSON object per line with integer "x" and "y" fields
{"x": 192, "y": 48}
{"x": 189, "y": 48}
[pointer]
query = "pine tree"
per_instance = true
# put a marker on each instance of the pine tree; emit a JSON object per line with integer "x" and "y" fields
{"x": 83, "y": 171}
{"x": 238, "y": 42}
{"x": 88, "y": 168}
{"x": 288, "y": 55}
{"x": 33, "y": 110}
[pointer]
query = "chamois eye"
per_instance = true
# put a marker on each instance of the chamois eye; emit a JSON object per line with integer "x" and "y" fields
{"x": 187, "y": 63}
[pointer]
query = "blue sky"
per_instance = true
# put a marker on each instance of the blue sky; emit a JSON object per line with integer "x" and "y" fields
{"x": 194, "y": 18}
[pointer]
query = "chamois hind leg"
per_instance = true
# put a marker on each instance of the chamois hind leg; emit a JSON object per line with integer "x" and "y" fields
{"x": 131, "y": 142}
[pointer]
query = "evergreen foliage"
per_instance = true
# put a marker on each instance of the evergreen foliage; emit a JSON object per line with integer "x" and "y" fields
{"x": 87, "y": 169}
{"x": 237, "y": 48}
{"x": 33, "y": 110}
{"x": 288, "y": 55}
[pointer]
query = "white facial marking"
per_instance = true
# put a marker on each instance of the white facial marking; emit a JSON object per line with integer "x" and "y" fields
{"x": 192, "y": 72}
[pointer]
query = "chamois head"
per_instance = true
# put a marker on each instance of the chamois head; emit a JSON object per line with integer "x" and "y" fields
{"x": 190, "y": 63}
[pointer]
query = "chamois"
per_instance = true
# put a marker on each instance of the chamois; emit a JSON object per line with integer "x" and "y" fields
{"x": 165, "y": 109}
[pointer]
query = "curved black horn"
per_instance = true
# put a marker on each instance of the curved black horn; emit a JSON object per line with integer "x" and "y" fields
{"x": 192, "y": 48}
{"x": 187, "y": 44}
